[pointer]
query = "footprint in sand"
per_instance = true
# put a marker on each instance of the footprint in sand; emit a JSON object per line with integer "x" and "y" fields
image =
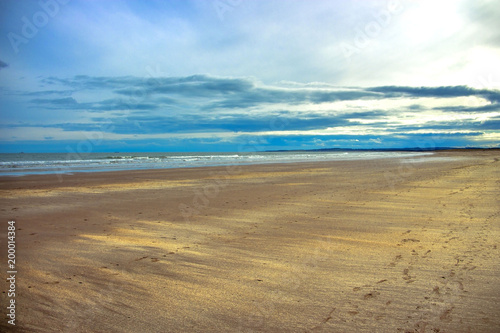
{"x": 372, "y": 294}
{"x": 407, "y": 276}
{"x": 53, "y": 282}
{"x": 413, "y": 240}
{"x": 395, "y": 260}
{"x": 446, "y": 315}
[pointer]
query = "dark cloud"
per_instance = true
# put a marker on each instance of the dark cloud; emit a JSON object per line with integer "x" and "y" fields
{"x": 69, "y": 103}
{"x": 55, "y": 102}
{"x": 445, "y": 91}
{"x": 130, "y": 85}
{"x": 119, "y": 104}
{"x": 260, "y": 96}
{"x": 490, "y": 124}
{"x": 484, "y": 108}
{"x": 3, "y": 64}
{"x": 375, "y": 114}
{"x": 48, "y": 93}
{"x": 85, "y": 82}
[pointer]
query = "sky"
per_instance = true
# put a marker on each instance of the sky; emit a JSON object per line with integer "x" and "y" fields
{"x": 245, "y": 75}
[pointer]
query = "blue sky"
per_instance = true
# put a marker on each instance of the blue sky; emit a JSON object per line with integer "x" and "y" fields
{"x": 241, "y": 75}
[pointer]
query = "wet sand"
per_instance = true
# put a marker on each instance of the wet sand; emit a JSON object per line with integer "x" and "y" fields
{"x": 388, "y": 245}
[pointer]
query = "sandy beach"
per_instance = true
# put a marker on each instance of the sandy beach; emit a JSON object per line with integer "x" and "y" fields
{"x": 386, "y": 245}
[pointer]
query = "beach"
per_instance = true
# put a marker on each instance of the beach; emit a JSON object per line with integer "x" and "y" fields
{"x": 381, "y": 245}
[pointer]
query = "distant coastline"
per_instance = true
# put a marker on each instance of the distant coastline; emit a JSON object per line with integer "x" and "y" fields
{"x": 414, "y": 149}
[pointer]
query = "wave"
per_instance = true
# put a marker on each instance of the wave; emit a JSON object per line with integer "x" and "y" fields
{"x": 61, "y": 163}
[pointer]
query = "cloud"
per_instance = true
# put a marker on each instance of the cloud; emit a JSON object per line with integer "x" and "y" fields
{"x": 47, "y": 93}
{"x": 214, "y": 107}
{"x": 479, "y": 109}
{"x": 484, "y": 16}
{"x": 228, "y": 123}
{"x": 86, "y": 82}
{"x": 228, "y": 93}
{"x": 438, "y": 92}
{"x": 159, "y": 68}
{"x": 69, "y": 103}
{"x": 211, "y": 92}
{"x": 490, "y": 124}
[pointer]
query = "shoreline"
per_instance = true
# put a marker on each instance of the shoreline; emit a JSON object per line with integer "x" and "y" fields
{"x": 46, "y": 177}
{"x": 64, "y": 169}
{"x": 300, "y": 247}
{"x": 59, "y": 174}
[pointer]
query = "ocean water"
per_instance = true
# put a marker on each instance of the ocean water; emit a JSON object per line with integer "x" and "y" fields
{"x": 67, "y": 163}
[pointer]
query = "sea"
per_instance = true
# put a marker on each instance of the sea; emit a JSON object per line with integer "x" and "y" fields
{"x": 68, "y": 163}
